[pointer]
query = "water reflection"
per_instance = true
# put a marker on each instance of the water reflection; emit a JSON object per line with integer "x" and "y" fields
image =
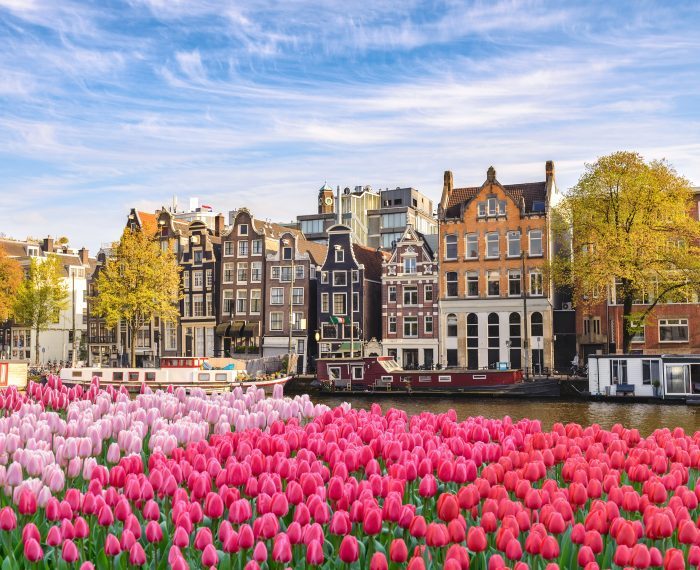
{"x": 645, "y": 417}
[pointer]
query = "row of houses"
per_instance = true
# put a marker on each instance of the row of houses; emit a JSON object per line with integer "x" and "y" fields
{"x": 470, "y": 290}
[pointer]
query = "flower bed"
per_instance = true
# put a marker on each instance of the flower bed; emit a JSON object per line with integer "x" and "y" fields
{"x": 236, "y": 480}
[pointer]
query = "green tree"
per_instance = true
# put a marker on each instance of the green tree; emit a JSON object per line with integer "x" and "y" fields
{"x": 139, "y": 282}
{"x": 41, "y": 297}
{"x": 10, "y": 279}
{"x": 630, "y": 227}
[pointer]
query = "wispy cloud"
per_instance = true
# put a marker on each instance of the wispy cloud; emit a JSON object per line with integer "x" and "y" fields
{"x": 103, "y": 106}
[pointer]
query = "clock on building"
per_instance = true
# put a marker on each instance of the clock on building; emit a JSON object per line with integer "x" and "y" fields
{"x": 329, "y": 200}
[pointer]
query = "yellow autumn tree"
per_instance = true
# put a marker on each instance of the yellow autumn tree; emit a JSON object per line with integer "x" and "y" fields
{"x": 632, "y": 234}
{"x": 138, "y": 282}
{"x": 10, "y": 279}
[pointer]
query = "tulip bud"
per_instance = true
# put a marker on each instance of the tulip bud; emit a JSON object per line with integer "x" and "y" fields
{"x": 32, "y": 550}
{"x": 69, "y": 552}
{"x": 349, "y": 550}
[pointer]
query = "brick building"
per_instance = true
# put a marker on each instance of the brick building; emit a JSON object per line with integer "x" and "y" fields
{"x": 494, "y": 244}
{"x": 410, "y": 293}
{"x": 349, "y": 299}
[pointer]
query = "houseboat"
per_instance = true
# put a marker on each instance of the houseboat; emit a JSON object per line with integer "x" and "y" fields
{"x": 13, "y": 373}
{"x": 178, "y": 372}
{"x": 383, "y": 375}
{"x": 674, "y": 377}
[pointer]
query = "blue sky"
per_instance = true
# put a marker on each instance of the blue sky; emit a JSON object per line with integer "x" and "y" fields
{"x": 105, "y": 105}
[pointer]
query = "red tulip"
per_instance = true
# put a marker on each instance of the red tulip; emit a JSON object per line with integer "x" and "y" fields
{"x": 416, "y": 563}
{"x": 673, "y": 559}
{"x": 585, "y": 555}
{"x": 476, "y": 539}
{"x": 640, "y": 556}
{"x": 349, "y": 550}
{"x": 87, "y": 565}
{"x": 112, "y": 546}
{"x": 137, "y": 556}
{"x": 105, "y": 516}
{"x": 260, "y": 552}
{"x": 372, "y": 523}
{"x": 81, "y": 528}
{"x": 458, "y": 554}
{"x": 693, "y": 555}
{"x": 32, "y": 550}
{"x": 513, "y": 550}
{"x": 54, "y": 536}
{"x": 398, "y": 552}
{"x": 246, "y": 539}
{"x": 8, "y": 519}
{"x": 30, "y": 530}
{"x": 209, "y": 556}
{"x": 203, "y": 538}
{"x": 549, "y": 548}
{"x": 282, "y": 549}
{"x": 314, "y": 553}
{"x": 27, "y": 502}
{"x": 378, "y": 562}
{"x": 418, "y": 527}
{"x": 181, "y": 539}
{"x": 69, "y": 552}
{"x": 447, "y": 507}
{"x": 622, "y": 555}
{"x": 154, "y": 532}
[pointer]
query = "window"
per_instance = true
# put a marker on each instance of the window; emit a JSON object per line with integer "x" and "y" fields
{"x": 255, "y": 297}
{"x": 492, "y": 245}
{"x": 197, "y": 306}
{"x": 275, "y": 272}
{"x": 482, "y": 210}
{"x": 596, "y": 325}
{"x": 472, "y": 341}
{"x": 651, "y": 371}
{"x": 397, "y": 220}
{"x": 185, "y": 280}
{"x": 298, "y": 272}
{"x": 286, "y": 274}
{"x": 356, "y": 302}
{"x": 256, "y": 247}
{"x": 587, "y": 326}
{"x": 391, "y": 293}
{"x": 673, "y": 330}
{"x": 535, "y": 282}
{"x": 535, "y": 242}
{"x": 243, "y": 230}
{"x": 339, "y": 304}
{"x": 536, "y": 326}
{"x": 451, "y": 282}
{"x": 228, "y": 302}
{"x": 514, "y": 283}
{"x": 286, "y": 253}
{"x": 242, "y": 273}
{"x": 198, "y": 257}
{"x": 452, "y": 325}
{"x": 298, "y": 296}
{"x": 389, "y": 240}
{"x": 428, "y": 324}
{"x": 275, "y": 321}
{"x": 241, "y": 300}
{"x": 210, "y": 305}
{"x": 496, "y": 207}
{"x": 228, "y": 248}
{"x": 428, "y": 293}
{"x": 324, "y": 302}
{"x": 301, "y": 346}
{"x": 472, "y": 283}
{"x": 494, "y": 339}
{"x": 410, "y": 295}
{"x": 515, "y": 341}
{"x": 513, "y": 244}
{"x": 170, "y": 336}
{"x": 392, "y": 325}
{"x": 357, "y": 373}
{"x": 472, "y": 246}
{"x": 242, "y": 249}
{"x": 355, "y": 276}
{"x": 197, "y": 279}
{"x": 297, "y": 319}
{"x": 330, "y": 331}
{"x": 618, "y": 371}
{"x": 256, "y": 271}
{"x": 410, "y": 326}
{"x": 493, "y": 280}
{"x": 409, "y": 265}
{"x": 340, "y": 278}
{"x": 637, "y": 328}
{"x": 311, "y": 227}
{"x": 451, "y": 247}
{"x": 209, "y": 278}
{"x": 339, "y": 255}
{"x": 277, "y": 296}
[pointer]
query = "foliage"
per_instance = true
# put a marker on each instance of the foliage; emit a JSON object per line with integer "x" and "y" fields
{"x": 41, "y": 297}
{"x": 10, "y": 280}
{"x": 631, "y": 233}
{"x": 139, "y": 282}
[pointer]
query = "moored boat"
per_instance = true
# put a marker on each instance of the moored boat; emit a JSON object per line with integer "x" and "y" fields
{"x": 383, "y": 375}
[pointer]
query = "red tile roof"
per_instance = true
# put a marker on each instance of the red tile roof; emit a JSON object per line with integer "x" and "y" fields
{"x": 530, "y": 192}
{"x": 372, "y": 260}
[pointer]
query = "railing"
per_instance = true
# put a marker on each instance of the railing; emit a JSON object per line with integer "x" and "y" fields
{"x": 106, "y": 339}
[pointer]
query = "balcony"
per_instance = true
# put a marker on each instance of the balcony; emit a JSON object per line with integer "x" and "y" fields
{"x": 592, "y": 338}
{"x": 104, "y": 339}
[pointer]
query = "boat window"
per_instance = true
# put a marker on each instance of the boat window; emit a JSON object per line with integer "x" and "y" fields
{"x": 203, "y": 376}
{"x": 133, "y": 376}
{"x": 479, "y": 377}
{"x": 221, "y": 377}
{"x": 444, "y": 378}
{"x": 424, "y": 379}
{"x": 387, "y": 379}
{"x": 117, "y": 376}
{"x": 357, "y": 373}
{"x": 97, "y": 373}
{"x": 334, "y": 372}
{"x": 150, "y": 375}
{"x": 77, "y": 374}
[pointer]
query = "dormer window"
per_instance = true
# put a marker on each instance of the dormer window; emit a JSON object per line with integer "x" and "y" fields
{"x": 32, "y": 251}
{"x": 243, "y": 230}
{"x": 339, "y": 255}
{"x": 492, "y": 207}
{"x": 409, "y": 265}
{"x": 287, "y": 253}
{"x": 197, "y": 256}
{"x": 538, "y": 206}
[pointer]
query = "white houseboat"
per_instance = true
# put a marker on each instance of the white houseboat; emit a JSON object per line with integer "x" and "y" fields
{"x": 667, "y": 376}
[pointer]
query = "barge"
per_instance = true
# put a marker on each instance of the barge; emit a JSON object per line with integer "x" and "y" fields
{"x": 376, "y": 375}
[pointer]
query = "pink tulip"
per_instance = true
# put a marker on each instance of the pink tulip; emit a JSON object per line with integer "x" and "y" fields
{"x": 32, "y": 550}
{"x": 69, "y": 551}
{"x": 137, "y": 556}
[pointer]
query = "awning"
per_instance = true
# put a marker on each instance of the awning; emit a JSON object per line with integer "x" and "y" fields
{"x": 236, "y": 327}
{"x": 222, "y": 329}
{"x": 250, "y": 330}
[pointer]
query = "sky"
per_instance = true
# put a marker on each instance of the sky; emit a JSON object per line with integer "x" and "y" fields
{"x": 107, "y": 105}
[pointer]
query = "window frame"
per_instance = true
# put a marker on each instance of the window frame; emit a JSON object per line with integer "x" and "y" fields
{"x": 489, "y": 242}
{"x": 530, "y": 242}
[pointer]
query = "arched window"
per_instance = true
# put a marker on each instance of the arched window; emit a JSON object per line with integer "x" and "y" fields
{"x": 537, "y": 330}
{"x": 451, "y": 246}
{"x": 472, "y": 341}
{"x": 536, "y": 326}
{"x": 494, "y": 338}
{"x": 515, "y": 340}
{"x": 451, "y": 324}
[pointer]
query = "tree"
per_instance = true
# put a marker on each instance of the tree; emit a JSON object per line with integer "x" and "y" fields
{"x": 139, "y": 282}
{"x": 631, "y": 229}
{"x": 10, "y": 279}
{"x": 41, "y": 297}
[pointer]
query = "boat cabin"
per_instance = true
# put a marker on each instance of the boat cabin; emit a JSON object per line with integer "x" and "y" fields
{"x": 664, "y": 375}
{"x": 182, "y": 362}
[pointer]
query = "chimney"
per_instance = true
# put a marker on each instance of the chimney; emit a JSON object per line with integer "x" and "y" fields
{"x": 549, "y": 170}
{"x": 47, "y": 246}
{"x": 219, "y": 225}
{"x": 447, "y": 184}
{"x": 84, "y": 256}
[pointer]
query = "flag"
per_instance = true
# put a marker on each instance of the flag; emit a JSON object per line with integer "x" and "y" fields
{"x": 337, "y": 320}
{"x": 205, "y": 207}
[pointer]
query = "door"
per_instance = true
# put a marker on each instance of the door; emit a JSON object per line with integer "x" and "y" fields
{"x": 677, "y": 379}
{"x": 410, "y": 358}
{"x": 537, "y": 360}
{"x": 428, "y": 357}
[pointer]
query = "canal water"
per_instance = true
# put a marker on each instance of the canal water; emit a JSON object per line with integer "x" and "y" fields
{"x": 644, "y": 417}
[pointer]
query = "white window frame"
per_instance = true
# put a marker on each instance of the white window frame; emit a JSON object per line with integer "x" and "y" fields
{"x": 228, "y": 249}
{"x": 241, "y": 302}
{"x": 651, "y": 362}
{"x": 325, "y": 300}
{"x": 428, "y": 320}
{"x": 255, "y": 295}
{"x": 345, "y": 304}
{"x": 391, "y": 293}
{"x": 242, "y": 266}
{"x": 274, "y": 315}
{"x": 277, "y": 293}
{"x": 471, "y": 240}
{"x": 230, "y": 268}
{"x": 515, "y": 275}
{"x": 490, "y": 274}
{"x": 391, "y": 324}
{"x": 410, "y": 265}
{"x": 514, "y": 237}
{"x": 228, "y": 302}
{"x": 209, "y": 278}
{"x": 337, "y": 274}
{"x": 243, "y": 245}
{"x": 488, "y": 240}
{"x": 339, "y": 255}
{"x": 411, "y": 291}
{"x": 468, "y": 280}
{"x": 428, "y": 288}
{"x": 242, "y": 229}
{"x": 536, "y": 283}
{"x": 530, "y": 242}
{"x": 297, "y": 299}
{"x": 412, "y": 323}
{"x": 256, "y": 247}
{"x": 676, "y": 322}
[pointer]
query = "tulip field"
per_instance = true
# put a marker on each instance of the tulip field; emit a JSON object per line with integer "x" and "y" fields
{"x": 93, "y": 478}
